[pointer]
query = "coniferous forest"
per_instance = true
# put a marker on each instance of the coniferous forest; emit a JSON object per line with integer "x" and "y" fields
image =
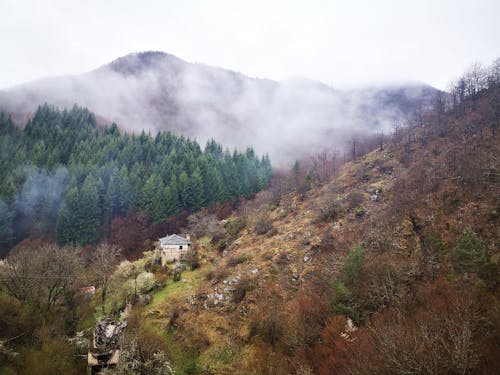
{"x": 66, "y": 178}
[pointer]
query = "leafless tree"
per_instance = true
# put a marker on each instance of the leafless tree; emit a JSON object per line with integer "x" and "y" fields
{"x": 105, "y": 259}
{"x": 41, "y": 274}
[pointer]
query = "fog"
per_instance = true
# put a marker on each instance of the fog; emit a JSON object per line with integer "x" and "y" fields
{"x": 287, "y": 120}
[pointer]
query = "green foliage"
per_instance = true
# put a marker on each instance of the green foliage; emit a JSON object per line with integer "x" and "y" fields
{"x": 342, "y": 300}
{"x": 345, "y": 289}
{"x": 61, "y": 172}
{"x": 352, "y": 265}
{"x": 470, "y": 253}
{"x": 360, "y": 211}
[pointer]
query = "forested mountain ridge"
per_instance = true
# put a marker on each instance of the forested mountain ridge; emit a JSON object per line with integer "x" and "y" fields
{"x": 157, "y": 91}
{"x": 61, "y": 175}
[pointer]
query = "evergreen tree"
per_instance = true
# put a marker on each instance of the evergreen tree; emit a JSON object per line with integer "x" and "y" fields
{"x": 89, "y": 212}
{"x": 172, "y": 205}
{"x": 108, "y": 173}
{"x": 470, "y": 253}
{"x": 153, "y": 198}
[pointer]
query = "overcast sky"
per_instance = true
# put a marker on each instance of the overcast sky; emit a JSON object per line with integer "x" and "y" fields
{"x": 342, "y": 43}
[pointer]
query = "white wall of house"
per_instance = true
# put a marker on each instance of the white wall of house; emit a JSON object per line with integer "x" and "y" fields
{"x": 170, "y": 253}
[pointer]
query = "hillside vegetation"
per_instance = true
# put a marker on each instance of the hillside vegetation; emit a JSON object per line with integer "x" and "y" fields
{"x": 391, "y": 267}
{"x": 387, "y": 264}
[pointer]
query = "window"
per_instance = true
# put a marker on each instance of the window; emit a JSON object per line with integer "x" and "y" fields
{"x": 180, "y": 247}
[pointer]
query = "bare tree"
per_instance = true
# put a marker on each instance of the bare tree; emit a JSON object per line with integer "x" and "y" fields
{"x": 106, "y": 258}
{"x": 41, "y": 274}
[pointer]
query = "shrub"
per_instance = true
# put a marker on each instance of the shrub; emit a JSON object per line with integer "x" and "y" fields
{"x": 328, "y": 243}
{"x": 192, "y": 259}
{"x": 217, "y": 274}
{"x": 241, "y": 288}
{"x": 145, "y": 282}
{"x": 235, "y": 226}
{"x": 330, "y": 210}
{"x": 234, "y": 260}
{"x": 360, "y": 211}
{"x": 354, "y": 199}
{"x": 262, "y": 224}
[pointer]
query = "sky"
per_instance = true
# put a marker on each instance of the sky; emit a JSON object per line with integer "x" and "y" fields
{"x": 345, "y": 44}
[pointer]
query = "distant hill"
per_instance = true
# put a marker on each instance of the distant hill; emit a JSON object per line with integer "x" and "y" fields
{"x": 158, "y": 91}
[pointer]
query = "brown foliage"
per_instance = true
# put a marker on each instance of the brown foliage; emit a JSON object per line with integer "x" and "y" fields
{"x": 267, "y": 322}
{"x": 440, "y": 332}
{"x": 42, "y": 275}
{"x": 217, "y": 275}
{"x": 263, "y": 224}
{"x": 308, "y": 316}
{"x": 335, "y": 351}
{"x": 241, "y": 288}
{"x": 130, "y": 232}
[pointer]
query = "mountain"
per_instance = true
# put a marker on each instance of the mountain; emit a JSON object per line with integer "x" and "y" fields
{"x": 158, "y": 91}
{"x": 385, "y": 264}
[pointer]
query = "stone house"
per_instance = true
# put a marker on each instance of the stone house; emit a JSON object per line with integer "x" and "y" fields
{"x": 173, "y": 247}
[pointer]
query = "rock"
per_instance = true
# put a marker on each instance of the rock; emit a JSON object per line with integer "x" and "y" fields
{"x": 218, "y": 296}
{"x": 306, "y": 258}
{"x": 254, "y": 271}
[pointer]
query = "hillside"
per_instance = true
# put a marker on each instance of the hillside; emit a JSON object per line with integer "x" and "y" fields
{"x": 404, "y": 242}
{"x": 156, "y": 91}
{"x": 384, "y": 264}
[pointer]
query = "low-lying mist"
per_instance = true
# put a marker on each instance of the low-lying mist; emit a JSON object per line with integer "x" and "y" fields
{"x": 288, "y": 120}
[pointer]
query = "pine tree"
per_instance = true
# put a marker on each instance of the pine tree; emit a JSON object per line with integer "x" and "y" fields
{"x": 172, "y": 205}
{"x": 153, "y": 198}
{"x": 470, "y": 253}
{"x": 89, "y": 212}
{"x": 196, "y": 190}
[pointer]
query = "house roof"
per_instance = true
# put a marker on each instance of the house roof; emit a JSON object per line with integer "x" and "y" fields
{"x": 174, "y": 239}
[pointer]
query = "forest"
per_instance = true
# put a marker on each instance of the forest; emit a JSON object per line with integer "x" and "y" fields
{"x": 63, "y": 177}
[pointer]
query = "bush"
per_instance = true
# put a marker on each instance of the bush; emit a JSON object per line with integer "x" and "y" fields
{"x": 354, "y": 199}
{"x": 241, "y": 288}
{"x": 330, "y": 210}
{"x": 192, "y": 259}
{"x": 145, "y": 282}
{"x": 262, "y": 225}
{"x": 235, "y": 226}
{"x": 360, "y": 211}
{"x": 234, "y": 260}
{"x": 217, "y": 274}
